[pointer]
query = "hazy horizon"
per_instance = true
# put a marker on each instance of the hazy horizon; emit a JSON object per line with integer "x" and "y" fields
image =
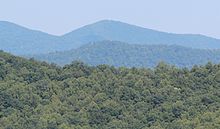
{"x": 60, "y": 17}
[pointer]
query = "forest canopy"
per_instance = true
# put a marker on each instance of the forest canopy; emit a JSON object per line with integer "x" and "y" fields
{"x": 37, "y": 95}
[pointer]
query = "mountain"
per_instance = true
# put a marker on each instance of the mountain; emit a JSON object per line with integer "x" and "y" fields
{"x": 36, "y": 95}
{"x": 132, "y": 55}
{"x": 22, "y": 41}
{"x": 119, "y": 31}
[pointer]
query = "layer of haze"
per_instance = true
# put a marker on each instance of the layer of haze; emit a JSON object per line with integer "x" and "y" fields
{"x": 61, "y": 16}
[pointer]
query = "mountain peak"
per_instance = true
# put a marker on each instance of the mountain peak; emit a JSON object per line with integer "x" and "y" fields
{"x": 106, "y": 21}
{"x": 114, "y": 23}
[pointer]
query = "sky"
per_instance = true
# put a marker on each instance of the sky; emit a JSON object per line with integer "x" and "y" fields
{"x": 61, "y": 16}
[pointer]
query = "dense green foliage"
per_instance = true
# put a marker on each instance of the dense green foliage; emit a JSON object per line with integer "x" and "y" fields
{"x": 35, "y": 95}
{"x": 121, "y": 54}
{"x": 22, "y": 41}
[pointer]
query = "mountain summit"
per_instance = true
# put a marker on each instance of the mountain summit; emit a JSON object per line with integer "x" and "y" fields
{"x": 119, "y": 31}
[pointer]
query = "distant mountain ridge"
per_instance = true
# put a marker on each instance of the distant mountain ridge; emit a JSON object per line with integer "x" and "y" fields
{"x": 131, "y": 55}
{"x": 119, "y": 31}
{"x": 22, "y": 41}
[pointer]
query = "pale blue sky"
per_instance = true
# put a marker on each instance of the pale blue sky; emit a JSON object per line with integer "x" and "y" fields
{"x": 61, "y": 16}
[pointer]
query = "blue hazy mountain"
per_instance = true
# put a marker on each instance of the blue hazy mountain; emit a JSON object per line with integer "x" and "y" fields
{"x": 131, "y": 55}
{"x": 118, "y": 31}
{"x": 22, "y": 41}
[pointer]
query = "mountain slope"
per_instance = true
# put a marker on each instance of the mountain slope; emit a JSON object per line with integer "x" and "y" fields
{"x": 118, "y": 31}
{"x": 19, "y": 40}
{"x": 122, "y": 54}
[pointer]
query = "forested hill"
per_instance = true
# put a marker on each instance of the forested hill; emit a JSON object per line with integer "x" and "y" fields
{"x": 36, "y": 95}
{"x": 123, "y": 54}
